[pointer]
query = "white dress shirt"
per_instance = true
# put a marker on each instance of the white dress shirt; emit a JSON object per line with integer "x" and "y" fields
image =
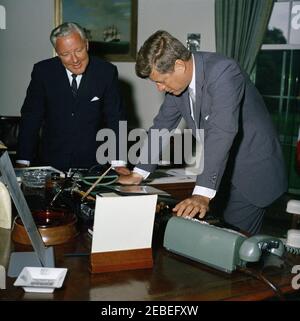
{"x": 78, "y": 78}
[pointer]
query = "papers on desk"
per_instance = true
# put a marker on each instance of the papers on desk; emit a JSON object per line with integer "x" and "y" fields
{"x": 174, "y": 175}
{"x": 138, "y": 190}
{"x": 123, "y": 223}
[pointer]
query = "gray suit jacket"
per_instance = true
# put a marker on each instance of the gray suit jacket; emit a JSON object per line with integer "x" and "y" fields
{"x": 239, "y": 137}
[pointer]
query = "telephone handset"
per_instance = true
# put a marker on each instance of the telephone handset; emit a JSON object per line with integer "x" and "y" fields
{"x": 252, "y": 248}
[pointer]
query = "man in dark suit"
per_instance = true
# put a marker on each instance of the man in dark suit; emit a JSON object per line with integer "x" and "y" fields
{"x": 241, "y": 149}
{"x": 69, "y": 96}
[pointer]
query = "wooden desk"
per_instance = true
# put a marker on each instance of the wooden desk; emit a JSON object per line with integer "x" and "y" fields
{"x": 172, "y": 278}
{"x": 179, "y": 191}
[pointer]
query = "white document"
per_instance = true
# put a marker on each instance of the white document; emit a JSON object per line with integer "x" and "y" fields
{"x": 123, "y": 223}
{"x": 176, "y": 175}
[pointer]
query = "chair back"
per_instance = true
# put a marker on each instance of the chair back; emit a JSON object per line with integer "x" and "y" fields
{"x": 9, "y": 131}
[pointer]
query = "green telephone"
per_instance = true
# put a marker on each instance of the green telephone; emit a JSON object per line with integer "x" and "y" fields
{"x": 221, "y": 248}
{"x": 252, "y": 248}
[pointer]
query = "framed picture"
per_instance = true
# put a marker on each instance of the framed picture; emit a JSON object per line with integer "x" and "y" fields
{"x": 110, "y": 25}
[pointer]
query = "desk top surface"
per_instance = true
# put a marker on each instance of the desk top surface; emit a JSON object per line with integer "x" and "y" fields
{"x": 171, "y": 278}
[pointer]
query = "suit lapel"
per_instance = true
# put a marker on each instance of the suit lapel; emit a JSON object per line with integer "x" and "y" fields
{"x": 82, "y": 90}
{"x": 64, "y": 83}
{"x": 185, "y": 101}
{"x": 64, "y": 77}
{"x": 199, "y": 86}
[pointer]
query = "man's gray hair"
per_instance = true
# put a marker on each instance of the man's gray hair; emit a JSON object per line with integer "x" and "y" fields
{"x": 65, "y": 29}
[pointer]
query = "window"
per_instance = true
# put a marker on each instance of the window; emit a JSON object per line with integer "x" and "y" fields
{"x": 277, "y": 76}
{"x": 2, "y": 18}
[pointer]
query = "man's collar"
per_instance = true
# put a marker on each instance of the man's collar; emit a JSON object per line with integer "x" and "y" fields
{"x": 192, "y": 84}
{"x": 70, "y": 73}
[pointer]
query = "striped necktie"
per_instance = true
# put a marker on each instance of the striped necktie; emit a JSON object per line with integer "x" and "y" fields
{"x": 74, "y": 85}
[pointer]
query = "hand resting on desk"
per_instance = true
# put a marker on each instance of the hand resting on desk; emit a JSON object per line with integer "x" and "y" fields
{"x": 122, "y": 170}
{"x": 190, "y": 207}
{"x": 131, "y": 179}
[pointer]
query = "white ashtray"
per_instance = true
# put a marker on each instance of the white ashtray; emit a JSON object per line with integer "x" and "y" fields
{"x": 41, "y": 279}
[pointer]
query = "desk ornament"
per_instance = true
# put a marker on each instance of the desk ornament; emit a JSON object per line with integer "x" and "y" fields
{"x": 56, "y": 223}
{"x": 42, "y": 255}
{"x": 56, "y": 226}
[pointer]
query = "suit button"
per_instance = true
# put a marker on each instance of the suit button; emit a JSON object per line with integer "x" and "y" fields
{"x": 72, "y": 114}
{"x": 213, "y": 178}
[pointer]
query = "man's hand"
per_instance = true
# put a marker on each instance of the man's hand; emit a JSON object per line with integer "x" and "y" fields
{"x": 190, "y": 207}
{"x": 122, "y": 170}
{"x": 131, "y": 179}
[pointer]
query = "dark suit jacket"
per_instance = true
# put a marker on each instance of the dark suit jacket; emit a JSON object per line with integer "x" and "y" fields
{"x": 238, "y": 132}
{"x": 69, "y": 124}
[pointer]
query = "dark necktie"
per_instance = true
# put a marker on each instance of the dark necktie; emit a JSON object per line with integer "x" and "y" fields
{"x": 193, "y": 111}
{"x": 74, "y": 85}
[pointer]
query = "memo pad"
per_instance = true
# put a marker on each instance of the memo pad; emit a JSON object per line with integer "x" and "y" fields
{"x": 122, "y": 233}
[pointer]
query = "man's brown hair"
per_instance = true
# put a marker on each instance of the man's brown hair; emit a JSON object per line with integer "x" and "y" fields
{"x": 160, "y": 51}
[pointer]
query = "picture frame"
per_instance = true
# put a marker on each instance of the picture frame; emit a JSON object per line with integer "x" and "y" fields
{"x": 111, "y": 25}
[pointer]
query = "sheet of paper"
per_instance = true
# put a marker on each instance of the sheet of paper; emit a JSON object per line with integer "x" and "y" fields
{"x": 123, "y": 223}
{"x": 175, "y": 175}
{"x": 109, "y": 194}
{"x": 138, "y": 189}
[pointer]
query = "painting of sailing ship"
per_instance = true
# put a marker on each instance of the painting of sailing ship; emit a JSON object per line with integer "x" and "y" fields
{"x": 111, "y": 25}
{"x": 111, "y": 33}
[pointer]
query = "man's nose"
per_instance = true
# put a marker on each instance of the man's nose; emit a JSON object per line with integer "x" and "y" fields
{"x": 74, "y": 57}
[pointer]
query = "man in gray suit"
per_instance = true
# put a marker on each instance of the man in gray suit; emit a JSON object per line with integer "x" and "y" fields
{"x": 244, "y": 170}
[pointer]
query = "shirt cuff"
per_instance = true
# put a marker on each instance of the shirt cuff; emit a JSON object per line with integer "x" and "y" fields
{"x": 208, "y": 192}
{"x": 22, "y": 161}
{"x": 141, "y": 172}
{"x": 118, "y": 163}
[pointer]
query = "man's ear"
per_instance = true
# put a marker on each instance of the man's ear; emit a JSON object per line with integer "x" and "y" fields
{"x": 179, "y": 65}
{"x": 87, "y": 45}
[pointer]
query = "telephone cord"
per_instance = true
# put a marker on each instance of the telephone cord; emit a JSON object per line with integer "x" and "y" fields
{"x": 261, "y": 277}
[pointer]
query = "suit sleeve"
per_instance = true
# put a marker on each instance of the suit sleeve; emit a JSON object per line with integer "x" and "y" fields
{"x": 32, "y": 113}
{"x": 158, "y": 136}
{"x": 226, "y": 92}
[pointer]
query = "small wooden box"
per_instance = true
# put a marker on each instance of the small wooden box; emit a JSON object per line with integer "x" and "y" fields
{"x": 121, "y": 260}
